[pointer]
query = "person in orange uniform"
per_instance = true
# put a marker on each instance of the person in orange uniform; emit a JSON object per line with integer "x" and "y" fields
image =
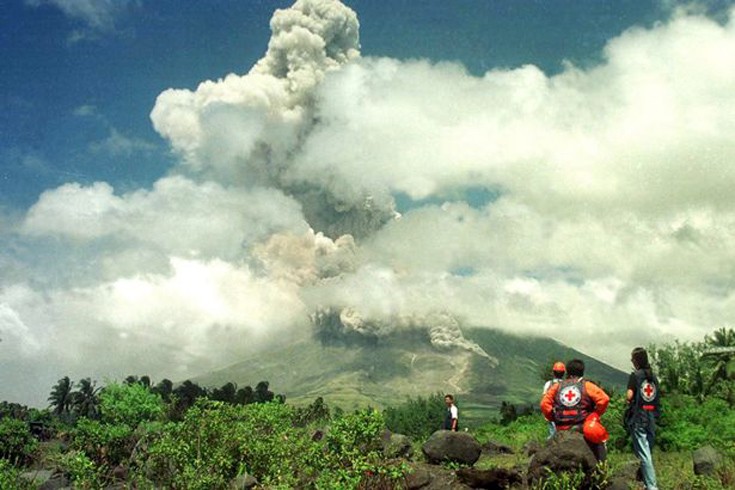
{"x": 569, "y": 403}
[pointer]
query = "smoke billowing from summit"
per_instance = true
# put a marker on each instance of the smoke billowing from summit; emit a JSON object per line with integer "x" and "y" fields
{"x": 593, "y": 206}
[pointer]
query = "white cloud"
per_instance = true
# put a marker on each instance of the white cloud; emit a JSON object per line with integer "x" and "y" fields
{"x": 98, "y": 15}
{"x": 613, "y": 226}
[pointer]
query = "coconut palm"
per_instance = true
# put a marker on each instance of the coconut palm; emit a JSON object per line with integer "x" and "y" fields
{"x": 85, "y": 401}
{"x": 61, "y": 396}
{"x": 719, "y": 355}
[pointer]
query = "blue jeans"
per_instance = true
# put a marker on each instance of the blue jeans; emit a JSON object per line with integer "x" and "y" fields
{"x": 643, "y": 433}
{"x": 552, "y": 430}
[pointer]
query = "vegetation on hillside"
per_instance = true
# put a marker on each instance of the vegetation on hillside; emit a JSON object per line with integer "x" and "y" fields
{"x": 188, "y": 436}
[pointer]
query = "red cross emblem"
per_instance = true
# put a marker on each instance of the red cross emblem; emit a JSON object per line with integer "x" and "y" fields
{"x": 648, "y": 391}
{"x": 570, "y": 396}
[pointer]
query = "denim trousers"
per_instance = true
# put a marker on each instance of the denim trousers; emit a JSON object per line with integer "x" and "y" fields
{"x": 643, "y": 433}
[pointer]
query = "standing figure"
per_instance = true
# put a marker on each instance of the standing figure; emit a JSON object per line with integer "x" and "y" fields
{"x": 569, "y": 403}
{"x": 557, "y": 370}
{"x": 642, "y": 412}
{"x": 451, "y": 421}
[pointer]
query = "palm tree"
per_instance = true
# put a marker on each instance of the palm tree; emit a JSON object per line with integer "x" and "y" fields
{"x": 61, "y": 396}
{"x": 719, "y": 355}
{"x": 85, "y": 400}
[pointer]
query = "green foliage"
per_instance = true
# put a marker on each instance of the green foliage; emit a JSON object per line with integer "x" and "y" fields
{"x": 104, "y": 444}
{"x": 559, "y": 481}
{"x": 418, "y": 417}
{"x": 316, "y": 411}
{"x": 130, "y": 404}
{"x": 215, "y": 441}
{"x": 686, "y": 424}
{"x": 613, "y": 422}
{"x": 353, "y": 458}
{"x": 18, "y": 445}
{"x": 10, "y": 478}
{"x": 530, "y": 427}
{"x": 82, "y": 471}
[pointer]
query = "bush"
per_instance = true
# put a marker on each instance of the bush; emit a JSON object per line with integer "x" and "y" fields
{"x": 417, "y": 418}
{"x": 18, "y": 444}
{"x": 682, "y": 426}
{"x": 82, "y": 471}
{"x": 105, "y": 444}
{"x": 216, "y": 441}
{"x": 10, "y": 478}
{"x": 130, "y": 404}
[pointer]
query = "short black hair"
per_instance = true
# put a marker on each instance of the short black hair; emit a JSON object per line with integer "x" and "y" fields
{"x": 575, "y": 368}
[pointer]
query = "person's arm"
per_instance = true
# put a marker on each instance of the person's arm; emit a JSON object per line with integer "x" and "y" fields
{"x": 599, "y": 397}
{"x": 547, "y": 402}
{"x": 631, "y": 388}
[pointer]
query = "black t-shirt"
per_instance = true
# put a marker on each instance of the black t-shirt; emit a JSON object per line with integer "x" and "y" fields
{"x": 632, "y": 384}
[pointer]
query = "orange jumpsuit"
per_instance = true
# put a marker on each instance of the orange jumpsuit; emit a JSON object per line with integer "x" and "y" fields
{"x": 597, "y": 396}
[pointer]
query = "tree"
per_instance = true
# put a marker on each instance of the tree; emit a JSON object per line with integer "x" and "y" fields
{"x": 164, "y": 388}
{"x": 225, "y": 394}
{"x": 719, "y": 356}
{"x": 262, "y": 393}
{"x": 245, "y": 396}
{"x": 85, "y": 400}
{"x": 61, "y": 396}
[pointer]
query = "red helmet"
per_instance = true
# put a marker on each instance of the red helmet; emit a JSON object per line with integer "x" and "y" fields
{"x": 593, "y": 430}
{"x": 559, "y": 367}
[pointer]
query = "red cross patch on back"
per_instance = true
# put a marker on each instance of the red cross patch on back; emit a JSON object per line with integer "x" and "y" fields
{"x": 570, "y": 396}
{"x": 648, "y": 391}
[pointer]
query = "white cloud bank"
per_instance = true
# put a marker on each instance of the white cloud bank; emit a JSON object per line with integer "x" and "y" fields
{"x": 614, "y": 225}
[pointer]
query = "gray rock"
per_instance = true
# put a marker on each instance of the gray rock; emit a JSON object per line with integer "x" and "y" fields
{"x": 492, "y": 447}
{"x": 57, "y": 482}
{"x": 396, "y": 445}
{"x": 494, "y": 478}
{"x": 417, "y": 478}
{"x": 567, "y": 452}
{"x": 243, "y": 481}
{"x": 706, "y": 460}
{"x": 37, "y": 477}
{"x": 458, "y": 447}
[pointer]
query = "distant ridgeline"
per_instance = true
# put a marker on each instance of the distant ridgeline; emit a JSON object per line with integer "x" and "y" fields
{"x": 351, "y": 370}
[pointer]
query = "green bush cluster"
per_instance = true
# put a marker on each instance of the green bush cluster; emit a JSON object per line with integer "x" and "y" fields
{"x": 18, "y": 445}
{"x": 418, "y": 417}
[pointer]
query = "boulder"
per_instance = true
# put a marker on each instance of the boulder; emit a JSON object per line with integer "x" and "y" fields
{"x": 706, "y": 460}
{"x": 492, "y": 447}
{"x": 417, "y": 478}
{"x": 243, "y": 481}
{"x": 458, "y": 447}
{"x": 37, "y": 477}
{"x": 395, "y": 445}
{"x": 531, "y": 447}
{"x": 56, "y": 482}
{"x": 490, "y": 479}
{"x": 567, "y": 452}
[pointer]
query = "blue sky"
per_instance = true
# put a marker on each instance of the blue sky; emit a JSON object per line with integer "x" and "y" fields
{"x": 77, "y": 91}
{"x": 176, "y": 194}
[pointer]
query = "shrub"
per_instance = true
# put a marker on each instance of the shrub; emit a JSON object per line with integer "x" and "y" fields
{"x": 130, "y": 404}
{"x": 10, "y": 478}
{"x": 417, "y": 418}
{"x": 217, "y": 441}
{"x": 682, "y": 424}
{"x": 105, "y": 444}
{"x": 82, "y": 471}
{"x": 18, "y": 444}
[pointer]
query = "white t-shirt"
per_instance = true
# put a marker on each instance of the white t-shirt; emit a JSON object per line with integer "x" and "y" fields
{"x": 551, "y": 382}
{"x": 453, "y": 411}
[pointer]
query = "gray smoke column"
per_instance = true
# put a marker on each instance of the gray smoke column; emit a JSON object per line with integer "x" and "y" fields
{"x": 246, "y": 128}
{"x": 443, "y": 329}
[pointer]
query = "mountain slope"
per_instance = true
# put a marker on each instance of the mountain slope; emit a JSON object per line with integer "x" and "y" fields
{"x": 351, "y": 372}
